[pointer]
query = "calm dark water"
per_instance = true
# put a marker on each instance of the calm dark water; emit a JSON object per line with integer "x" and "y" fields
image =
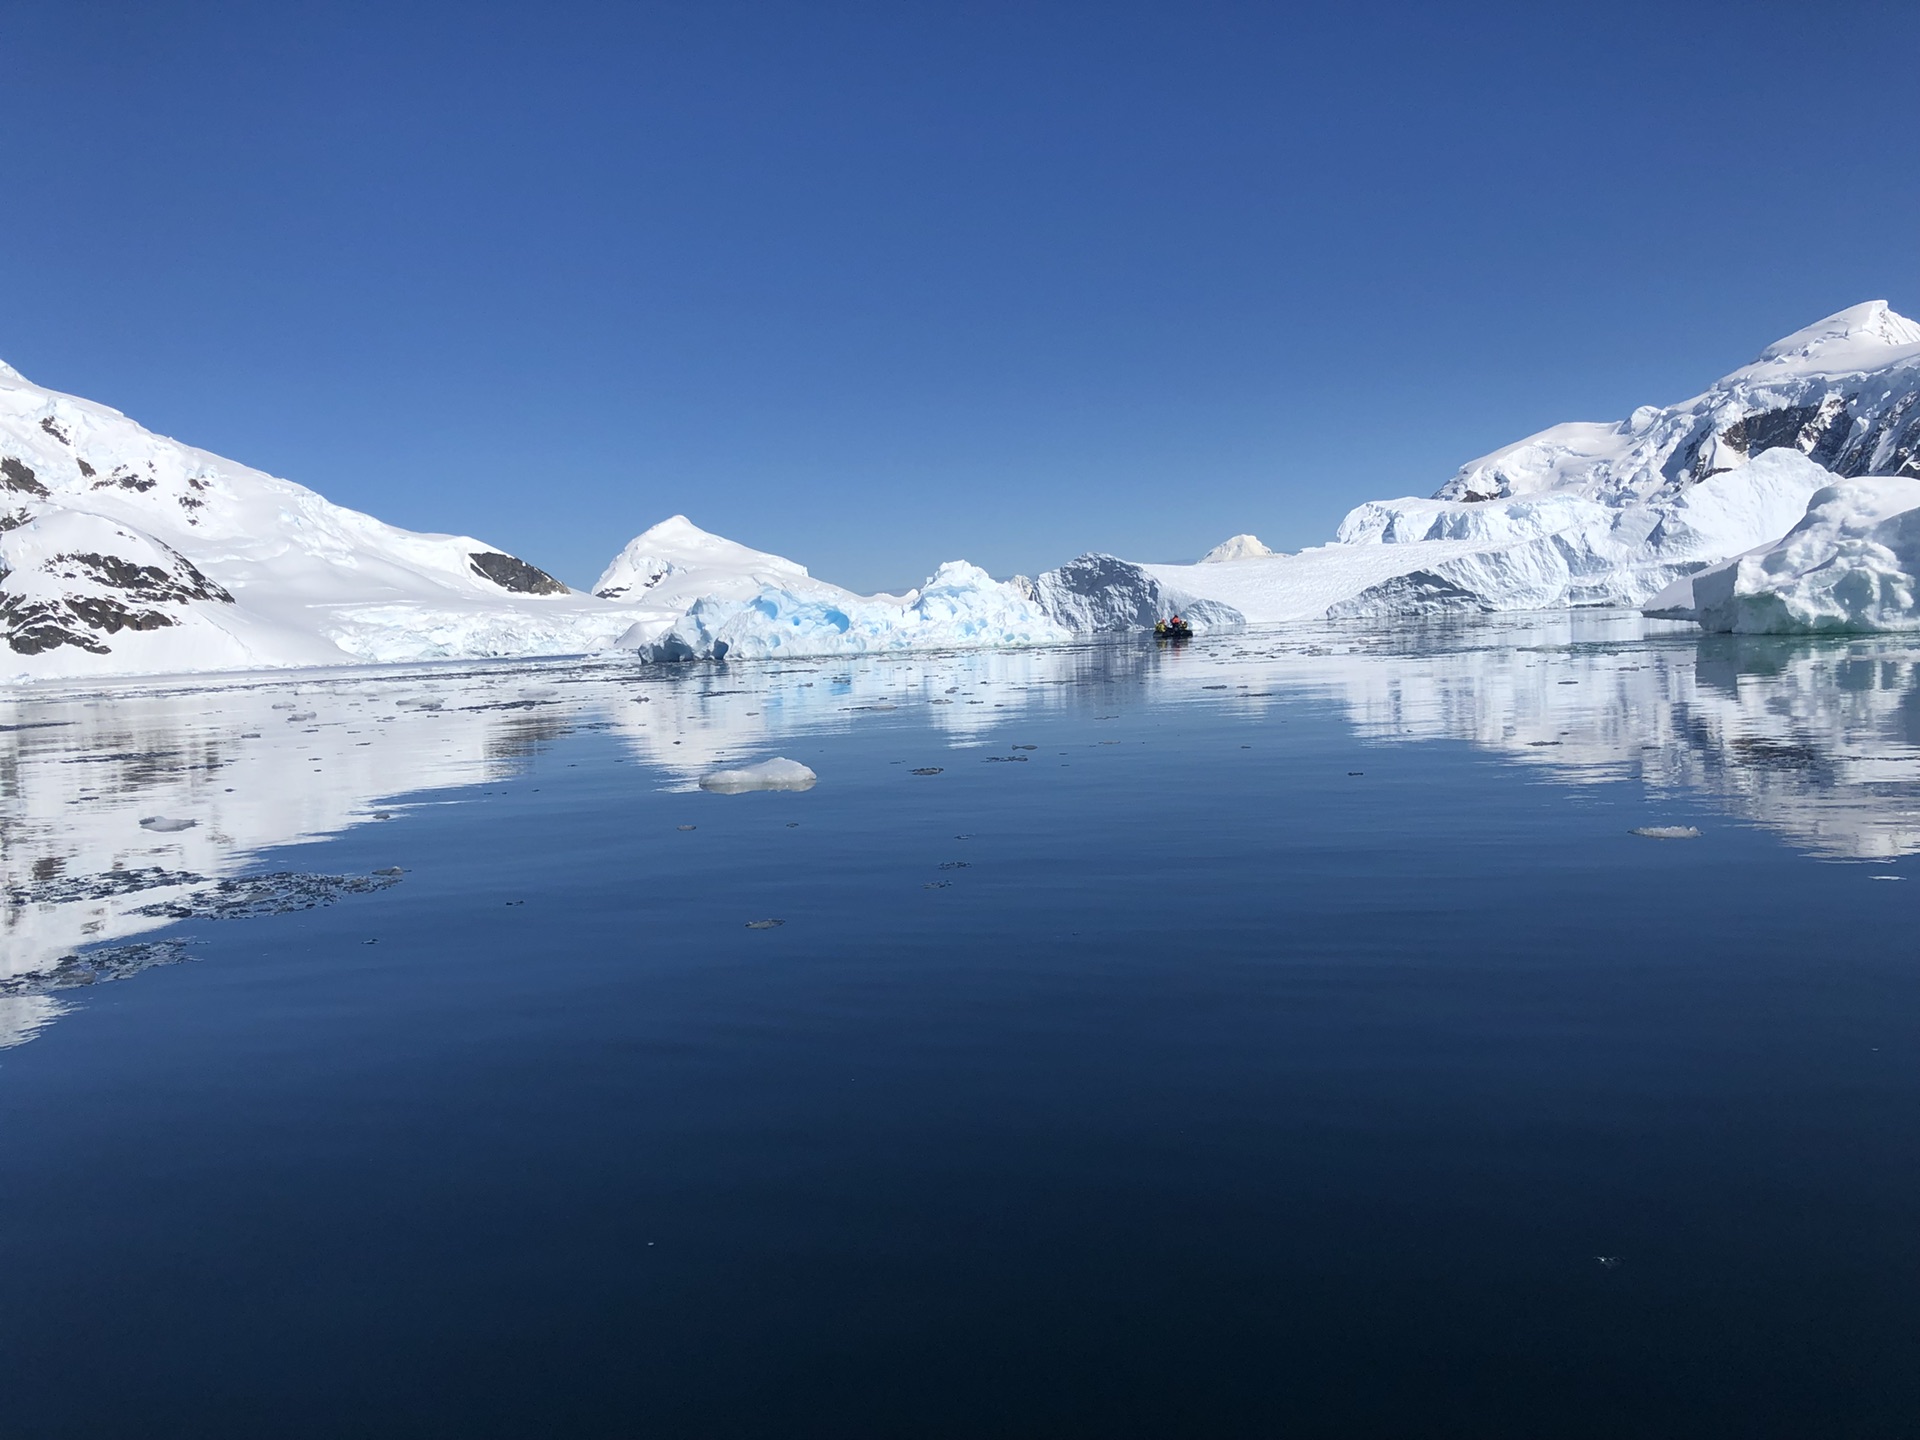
{"x": 1166, "y": 1078}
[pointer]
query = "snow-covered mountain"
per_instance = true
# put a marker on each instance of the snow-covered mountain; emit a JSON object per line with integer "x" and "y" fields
{"x": 122, "y": 551}
{"x": 676, "y": 563}
{"x": 1586, "y": 513}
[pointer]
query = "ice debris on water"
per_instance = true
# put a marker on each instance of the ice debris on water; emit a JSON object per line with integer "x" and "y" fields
{"x": 929, "y": 770}
{"x": 279, "y": 893}
{"x": 94, "y": 967}
{"x": 775, "y": 774}
{"x": 66, "y": 889}
{"x": 764, "y": 924}
{"x": 165, "y": 826}
{"x": 1668, "y": 832}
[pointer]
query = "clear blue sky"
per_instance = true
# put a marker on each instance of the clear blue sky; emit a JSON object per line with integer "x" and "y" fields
{"x": 880, "y": 285}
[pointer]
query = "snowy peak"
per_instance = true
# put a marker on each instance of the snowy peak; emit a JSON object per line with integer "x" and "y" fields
{"x": 677, "y": 547}
{"x": 122, "y": 551}
{"x": 1239, "y": 547}
{"x": 1868, "y": 336}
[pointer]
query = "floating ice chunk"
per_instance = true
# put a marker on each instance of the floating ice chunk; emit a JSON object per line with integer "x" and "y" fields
{"x": 1668, "y": 832}
{"x": 165, "y": 826}
{"x": 774, "y": 774}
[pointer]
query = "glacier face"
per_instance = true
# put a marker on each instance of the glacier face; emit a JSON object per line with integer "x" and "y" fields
{"x": 1102, "y": 593}
{"x": 960, "y": 607}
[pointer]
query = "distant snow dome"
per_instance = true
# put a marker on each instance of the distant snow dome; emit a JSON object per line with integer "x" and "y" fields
{"x": 1240, "y": 547}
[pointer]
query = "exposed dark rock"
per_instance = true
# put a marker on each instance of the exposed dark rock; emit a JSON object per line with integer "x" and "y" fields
{"x": 147, "y": 582}
{"x": 127, "y": 478}
{"x": 14, "y": 475}
{"x": 515, "y": 575}
{"x": 1891, "y": 446}
{"x": 85, "y": 469}
{"x": 1770, "y": 430}
{"x": 1826, "y": 434}
{"x": 52, "y": 427}
{"x": 33, "y": 627}
{"x": 110, "y": 616}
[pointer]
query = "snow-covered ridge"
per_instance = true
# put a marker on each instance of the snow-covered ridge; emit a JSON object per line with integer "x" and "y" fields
{"x": 123, "y": 552}
{"x": 127, "y": 552}
{"x": 1591, "y": 513}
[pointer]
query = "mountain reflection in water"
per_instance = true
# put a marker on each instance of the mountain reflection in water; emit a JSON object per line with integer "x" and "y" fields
{"x": 1815, "y": 741}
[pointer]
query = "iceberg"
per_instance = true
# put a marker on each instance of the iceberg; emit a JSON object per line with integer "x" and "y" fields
{"x": 960, "y": 607}
{"x": 1851, "y": 565}
{"x": 775, "y": 774}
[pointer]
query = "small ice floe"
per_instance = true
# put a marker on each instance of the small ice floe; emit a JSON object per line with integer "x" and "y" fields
{"x": 1667, "y": 832}
{"x": 1610, "y": 1262}
{"x": 1886, "y": 877}
{"x": 764, "y": 924}
{"x": 165, "y": 826}
{"x": 928, "y": 770}
{"x": 776, "y": 774}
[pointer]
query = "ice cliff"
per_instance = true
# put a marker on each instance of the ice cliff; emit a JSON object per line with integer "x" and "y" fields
{"x": 1852, "y": 564}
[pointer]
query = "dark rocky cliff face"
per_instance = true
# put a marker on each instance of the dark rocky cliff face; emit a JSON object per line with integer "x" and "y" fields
{"x": 96, "y": 594}
{"x": 515, "y": 575}
{"x": 1849, "y": 434}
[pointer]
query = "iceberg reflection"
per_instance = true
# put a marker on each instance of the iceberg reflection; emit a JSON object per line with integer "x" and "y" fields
{"x": 116, "y": 806}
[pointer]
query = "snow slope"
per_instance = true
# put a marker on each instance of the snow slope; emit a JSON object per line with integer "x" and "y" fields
{"x": 1586, "y": 514}
{"x": 125, "y": 552}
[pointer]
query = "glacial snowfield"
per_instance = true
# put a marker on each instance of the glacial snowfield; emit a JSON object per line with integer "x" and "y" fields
{"x": 120, "y": 816}
{"x": 123, "y": 552}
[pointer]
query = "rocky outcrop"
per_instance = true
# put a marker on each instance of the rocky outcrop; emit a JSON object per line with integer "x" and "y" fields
{"x": 514, "y": 575}
{"x": 69, "y": 579}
